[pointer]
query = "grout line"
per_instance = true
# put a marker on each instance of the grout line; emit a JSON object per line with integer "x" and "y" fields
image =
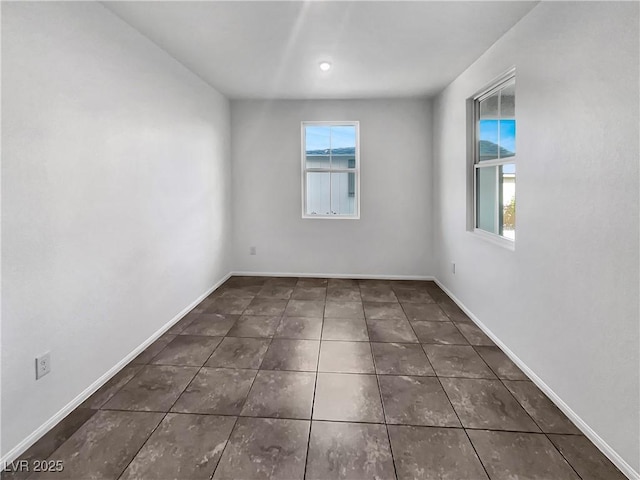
{"x": 384, "y": 413}
{"x": 464, "y": 429}
{"x": 313, "y": 400}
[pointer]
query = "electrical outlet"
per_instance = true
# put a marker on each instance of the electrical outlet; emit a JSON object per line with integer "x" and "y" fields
{"x": 252, "y": 250}
{"x": 453, "y": 267}
{"x": 43, "y": 365}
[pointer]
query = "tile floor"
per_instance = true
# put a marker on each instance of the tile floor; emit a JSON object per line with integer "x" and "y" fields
{"x": 320, "y": 379}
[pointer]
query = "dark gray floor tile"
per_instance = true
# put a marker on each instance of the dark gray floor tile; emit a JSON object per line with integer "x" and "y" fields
{"x": 239, "y": 353}
{"x": 216, "y": 391}
{"x": 288, "y": 354}
{"x": 255, "y": 326}
{"x": 311, "y": 282}
{"x": 510, "y": 455}
{"x": 416, "y": 401}
{"x": 182, "y": 447}
{"x": 488, "y": 404}
{"x": 309, "y": 293}
{"x": 280, "y": 394}
{"x": 351, "y": 329}
{"x": 429, "y": 312}
{"x": 155, "y": 388}
{"x": 474, "y": 335}
{"x": 266, "y": 306}
{"x": 202, "y": 306}
{"x": 104, "y": 445}
{"x": 401, "y": 359}
{"x": 344, "y": 294}
{"x": 383, "y": 311}
{"x": 343, "y": 283}
{"x": 340, "y": 309}
{"x": 304, "y": 308}
{"x": 231, "y": 305}
{"x": 428, "y": 453}
{"x": 345, "y": 357}
{"x": 444, "y": 333}
{"x": 347, "y": 397}
{"x": 276, "y": 291}
{"x": 190, "y": 350}
{"x": 454, "y": 312}
{"x": 302, "y": 328}
{"x": 391, "y": 331}
{"x": 265, "y": 448}
{"x": 240, "y": 291}
{"x": 457, "y": 361}
{"x": 349, "y": 451}
{"x": 48, "y": 444}
{"x": 109, "y": 389}
{"x": 548, "y": 417}
{"x": 152, "y": 350}
{"x": 281, "y": 281}
{"x": 211, "y": 324}
{"x": 244, "y": 281}
{"x": 378, "y": 294}
{"x": 183, "y": 323}
{"x": 439, "y": 296}
{"x": 585, "y": 458}
{"x": 502, "y": 366}
{"x": 374, "y": 282}
{"x": 413, "y": 295}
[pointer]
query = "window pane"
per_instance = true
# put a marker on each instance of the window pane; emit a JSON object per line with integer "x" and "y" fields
{"x": 508, "y": 101}
{"x": 507, "y": 138}
{"x": 318, "y": 188}
{"x": 343, "y": 146}
{"x": 508, "y": 189}
{"x": 489, "y": 106}
{"x": 317, "y": 146}
{"x": 343, "y": 193}
{"x": 488, "y": 144}
{"x": 487, "y": 199}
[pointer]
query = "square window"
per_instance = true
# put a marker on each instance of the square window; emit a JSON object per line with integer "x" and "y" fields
{"x": 330, "y": 170}
{"x": 494, "y": 159}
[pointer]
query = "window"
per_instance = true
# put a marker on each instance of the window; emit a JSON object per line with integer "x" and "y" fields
{"x": 330, "y": 170}
{"x": 494, "y": 162}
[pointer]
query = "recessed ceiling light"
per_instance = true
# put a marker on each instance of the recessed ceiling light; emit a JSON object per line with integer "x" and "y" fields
{"x": 325, "y": 66}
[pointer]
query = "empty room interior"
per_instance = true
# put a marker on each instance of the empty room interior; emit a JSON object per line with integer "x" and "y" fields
{"x": 280, "y": 240}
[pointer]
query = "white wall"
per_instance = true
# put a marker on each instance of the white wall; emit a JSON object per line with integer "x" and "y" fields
{"x": 392, "y": 236}
{"x": 115, "y": 199}
{"x": 566, "y": 300}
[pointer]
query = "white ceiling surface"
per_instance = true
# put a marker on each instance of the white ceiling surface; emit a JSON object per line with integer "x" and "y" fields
{"x": 268, "y": 49}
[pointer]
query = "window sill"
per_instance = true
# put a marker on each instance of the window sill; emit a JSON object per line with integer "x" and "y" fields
{"x": 493, "y": 238}
{"x": 331, "y": 217}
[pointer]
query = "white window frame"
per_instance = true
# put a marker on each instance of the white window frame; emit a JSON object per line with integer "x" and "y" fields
{"x": 501, "y": 82}
{"x": 356, "y": 170}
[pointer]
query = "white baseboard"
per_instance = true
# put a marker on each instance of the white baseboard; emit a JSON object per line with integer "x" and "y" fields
{"x": 24, "y": 445}
{"x": 603, "y": 446}
{"x": 360, "y": 276}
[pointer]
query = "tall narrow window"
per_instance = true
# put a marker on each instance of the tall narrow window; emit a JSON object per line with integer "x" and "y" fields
{"x": 330, "y": 170}
{"x": 495, "y": 159}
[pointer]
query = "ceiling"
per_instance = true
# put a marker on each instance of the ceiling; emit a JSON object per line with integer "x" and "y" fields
{"x": 378, "y": 49}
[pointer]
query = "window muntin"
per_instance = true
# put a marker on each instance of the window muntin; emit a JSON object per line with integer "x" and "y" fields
{"x": 330, "y": 169}
{"x": 495, "y": 160}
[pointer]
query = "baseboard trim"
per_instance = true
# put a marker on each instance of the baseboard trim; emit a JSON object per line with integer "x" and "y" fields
{"x": 603, "y": 446}
{"x": 360, "y": 276}
{"x": 24, "y": 445}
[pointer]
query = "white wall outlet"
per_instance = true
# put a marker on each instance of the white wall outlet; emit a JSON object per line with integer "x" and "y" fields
{"x": 453, "y": 267}
{"x": 252, "y": 250}
{"x": 43, "y": 365}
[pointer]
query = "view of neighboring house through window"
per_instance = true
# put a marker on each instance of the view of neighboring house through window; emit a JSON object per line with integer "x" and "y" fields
{"x": 330, "y": 170}
{"x": 495, "y": 160}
